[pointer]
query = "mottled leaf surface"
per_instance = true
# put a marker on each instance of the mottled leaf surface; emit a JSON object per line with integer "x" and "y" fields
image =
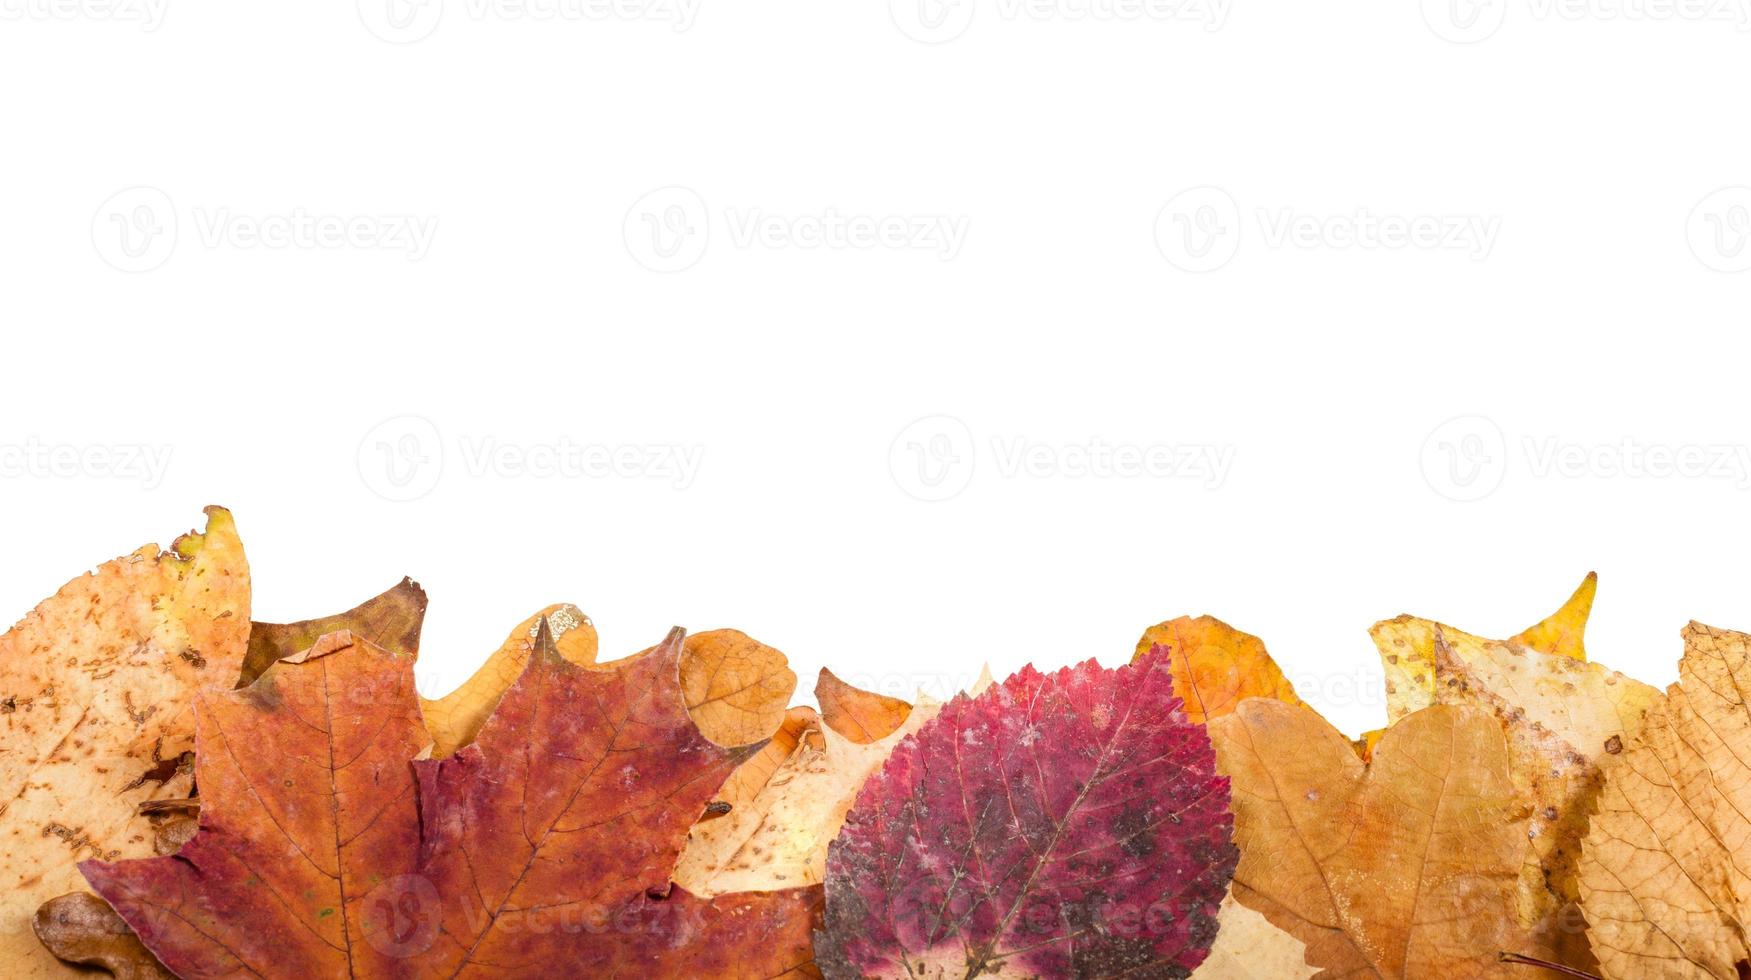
{"x": 1066, "y": 824}
{"x": 95, "y": 691}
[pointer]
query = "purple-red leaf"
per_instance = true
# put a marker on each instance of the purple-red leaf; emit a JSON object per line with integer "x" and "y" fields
{"x": 1059, "y": 825}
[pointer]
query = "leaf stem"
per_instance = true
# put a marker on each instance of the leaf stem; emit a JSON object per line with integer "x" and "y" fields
{"x": 1567, "y": 971}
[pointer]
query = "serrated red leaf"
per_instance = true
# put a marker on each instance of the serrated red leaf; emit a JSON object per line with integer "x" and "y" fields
{"x": 1070, "y": 824}
{"x": 544, "y": 849}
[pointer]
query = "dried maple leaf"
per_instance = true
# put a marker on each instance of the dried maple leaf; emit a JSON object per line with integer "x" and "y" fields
{"x": 544, "y": 848}
{"x": 95, "y": 686}
{"x": 1663, "y": 876}
{"x": 456, "y": 718}
{"x": 1559, "y": 712}
{"x": 777, "y": 837}
{"x": 1405, "y": 867}
{"x": 1069, "y": 824}
{"x": 1215, "y": 666}
{"x": 391, "y": 620}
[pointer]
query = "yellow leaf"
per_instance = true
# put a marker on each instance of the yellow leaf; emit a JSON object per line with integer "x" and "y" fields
{"x": 736, "y": 688}
{"x": 1215, "y": 666}
{"x": 1562, "y": 631}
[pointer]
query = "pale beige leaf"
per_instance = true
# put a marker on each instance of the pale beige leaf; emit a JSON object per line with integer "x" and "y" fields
{"x": 1664, "y": 876}
{"x": 95, "y": 688}
{"x": 1248, "y": 947}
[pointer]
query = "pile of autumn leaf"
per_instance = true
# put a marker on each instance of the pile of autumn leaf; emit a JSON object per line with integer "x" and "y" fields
{"x": 185, "y": 792}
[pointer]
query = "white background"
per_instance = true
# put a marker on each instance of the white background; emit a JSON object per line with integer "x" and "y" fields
{"x": 1270, "y": 320}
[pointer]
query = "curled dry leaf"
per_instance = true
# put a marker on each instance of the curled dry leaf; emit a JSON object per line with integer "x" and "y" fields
{"x": 546, "y": 845}
{"x": 95, "y": 687}
{"x": 1663, "y": 873}
{"x": 82, "y": 928}
{"x": 391, "y": 620}
{"x": 1558, "y": 712}
{"x": 456, "y": 718}
{"x": 1069, "y": 824}
{"x": 1405, "y": 867}
{"x": 857, "y": 715}
{"x": 1215, "y": 666}
{"x": 777, "y": 837}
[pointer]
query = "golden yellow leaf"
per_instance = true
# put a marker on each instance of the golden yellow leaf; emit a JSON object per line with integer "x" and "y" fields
{"x": 95, "y": 688}
{"x": 1664, "y": 876}
{"x": 1215, "y": 666}
{"x": 736, "y": 688}
{"x": 1404, "y": 867}
{"x": 456, "y": 718}
{"x": 1407, "y": 648}
{"x": 857, "y": 715}
{"x": 1558, "y": 713}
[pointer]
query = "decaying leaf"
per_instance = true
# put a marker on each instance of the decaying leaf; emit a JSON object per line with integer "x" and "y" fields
{"x": 1558, "y": 712}
{"x": 455, "y": 719}
{"x": 544, "y": 846}
{"x": 95, "y": 687}
{"x": 1664, "y": 870}
{"x": 777, "y": 837}
{"x": 1058, "y": 825}
{"x": 1562, "y": 632}
{"x": 1405, "y": 867}
{"x": 82, "y": 928}
{"x": 391, "y": 620}
{"x": 857, "y": 715}
{"x": 1215, "y": 666}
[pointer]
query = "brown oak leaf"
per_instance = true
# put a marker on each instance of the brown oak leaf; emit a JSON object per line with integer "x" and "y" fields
{"x": 95, "y": 689}
{"x": 1405, "y": 867}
